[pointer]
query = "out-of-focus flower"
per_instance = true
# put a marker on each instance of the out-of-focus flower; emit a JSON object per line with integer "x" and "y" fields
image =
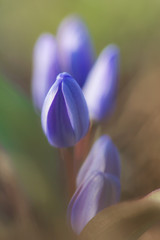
{"x": 99, "y": 191}
{"x": 72, "y": 52}
{"x": 65, "y": 118}
{"x": 45, "y": 68}
{"x": 98, "y": 184}
{"x": 103, "y": 157}
{"x": 101, "y": 85}
{"x": 75, "y": 48}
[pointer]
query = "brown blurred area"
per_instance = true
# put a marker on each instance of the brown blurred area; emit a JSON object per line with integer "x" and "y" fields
{"x": 19, "y": 219}
{"x": 135, "y": 128}
{"x": 152, "y": 234}
{"x": 135, "y": 125}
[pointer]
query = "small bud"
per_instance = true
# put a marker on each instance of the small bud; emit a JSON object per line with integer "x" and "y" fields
{"x": 103, "y": 157}
{"x": 75, "y": 48}
{"x": 45, "y": 68}
{"x": 100, "y": 88}
{"x": 65, "y": 118}
{"x": 98, "y": 192}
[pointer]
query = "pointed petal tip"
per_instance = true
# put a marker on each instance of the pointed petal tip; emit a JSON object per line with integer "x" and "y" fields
{"x": 64, "y": 117}
{"x": 97, "y": 192}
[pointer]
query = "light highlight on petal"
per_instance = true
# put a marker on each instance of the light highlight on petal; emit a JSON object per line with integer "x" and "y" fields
{"x": 45, "y": 68}
{"x": 75, "y": 48}
{"x": 101, "y": 85}
{"x": 64, "y": 117}
{"x": 98, "y": 192}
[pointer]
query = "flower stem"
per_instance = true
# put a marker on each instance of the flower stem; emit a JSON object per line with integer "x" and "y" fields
{"x": 67, "y": 155}
{"x": 83, "y": 147}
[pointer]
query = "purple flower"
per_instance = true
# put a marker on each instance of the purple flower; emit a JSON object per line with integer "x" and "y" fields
{"x": 98, "y": 184}
{"x": 99, "y": 191}
{"x": 101, "y": 85}
{"x": 103, "y": 157}
{"x": 75, "y": 48}
{"x": 45, "y": 68}
{"x": 64, "y": 117}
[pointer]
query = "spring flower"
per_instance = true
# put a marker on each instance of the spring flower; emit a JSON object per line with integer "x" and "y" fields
{"x": 98, "y": 184}
{"x": 72, "y": 51}
{"x": 75, "y": 48}
{"x": 97, "y": 192}
{"x": 103, "y": 157}
{"x": 45, "y": 68}
{"x": 65, "y": 118}
{"x": 101, "y": 85}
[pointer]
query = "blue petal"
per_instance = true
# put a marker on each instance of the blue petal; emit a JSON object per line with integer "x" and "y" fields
{"x": 45, "y": 68}
{"x": 65, "y": 118}
{"x": 75, "y": 48}
{"x": 101, "y": 85}
{"x": 77, "y": 107}
{"x": 98, "y": 192}
{"x": 103, "y": 157}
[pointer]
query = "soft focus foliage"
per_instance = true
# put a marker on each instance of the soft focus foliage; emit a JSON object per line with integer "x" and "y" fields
{"x": 128, "y": 220}
{"x": 134, "y": 127}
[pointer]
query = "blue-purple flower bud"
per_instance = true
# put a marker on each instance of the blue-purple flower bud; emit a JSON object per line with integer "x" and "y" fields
{"x": 45, "y": 68}
{"x": 101, "y": 85}
{"x": 103, "y": 157}
{"x": 99, "y": 191}
{"x": 75, "y": 48}
{"x": 65, "y": 118}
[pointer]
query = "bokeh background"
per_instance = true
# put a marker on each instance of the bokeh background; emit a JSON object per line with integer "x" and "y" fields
{"x": 32, "y": 198}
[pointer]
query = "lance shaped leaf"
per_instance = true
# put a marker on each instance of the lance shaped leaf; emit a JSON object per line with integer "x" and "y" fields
{"x": 126, "y": 220}
{"x": 97, "y": 192}
{"x": 64, "y": 117}
{"x": 75, "y": 48}
{"x": 103, "y": 157}
{"x": 45, "y": 68}
{"x": 100, "y": 88}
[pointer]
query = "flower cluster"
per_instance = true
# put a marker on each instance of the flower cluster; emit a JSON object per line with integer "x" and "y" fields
{"x": 71, "y": 51}
{"x": 70, "y": 88}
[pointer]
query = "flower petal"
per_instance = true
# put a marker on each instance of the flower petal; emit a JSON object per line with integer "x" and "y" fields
{"x": 98, "y": 192}
{"x": 101, "y": 85}
{"x": 45, "y": 68}
{"x": 65, "y": 118}
{"x": 103, "y": 157}
{"x": 75, "y": 48}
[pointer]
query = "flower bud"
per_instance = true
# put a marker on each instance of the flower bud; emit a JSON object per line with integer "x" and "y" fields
{"x": 99, "y": 191}
{"x": 65, "y": 118}
{"x": 103, "y": 157}
{"x": 101, "y": 85}
{"x": 75, "y": 48}
{"x": 45, "y": 68}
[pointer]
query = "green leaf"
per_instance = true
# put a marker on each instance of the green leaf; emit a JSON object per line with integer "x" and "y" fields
{"x": 35, "y": 161}
{"x": 124, "y": 221}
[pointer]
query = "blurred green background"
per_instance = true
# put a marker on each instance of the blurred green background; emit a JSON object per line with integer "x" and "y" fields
{"x": 135, "y": 27}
